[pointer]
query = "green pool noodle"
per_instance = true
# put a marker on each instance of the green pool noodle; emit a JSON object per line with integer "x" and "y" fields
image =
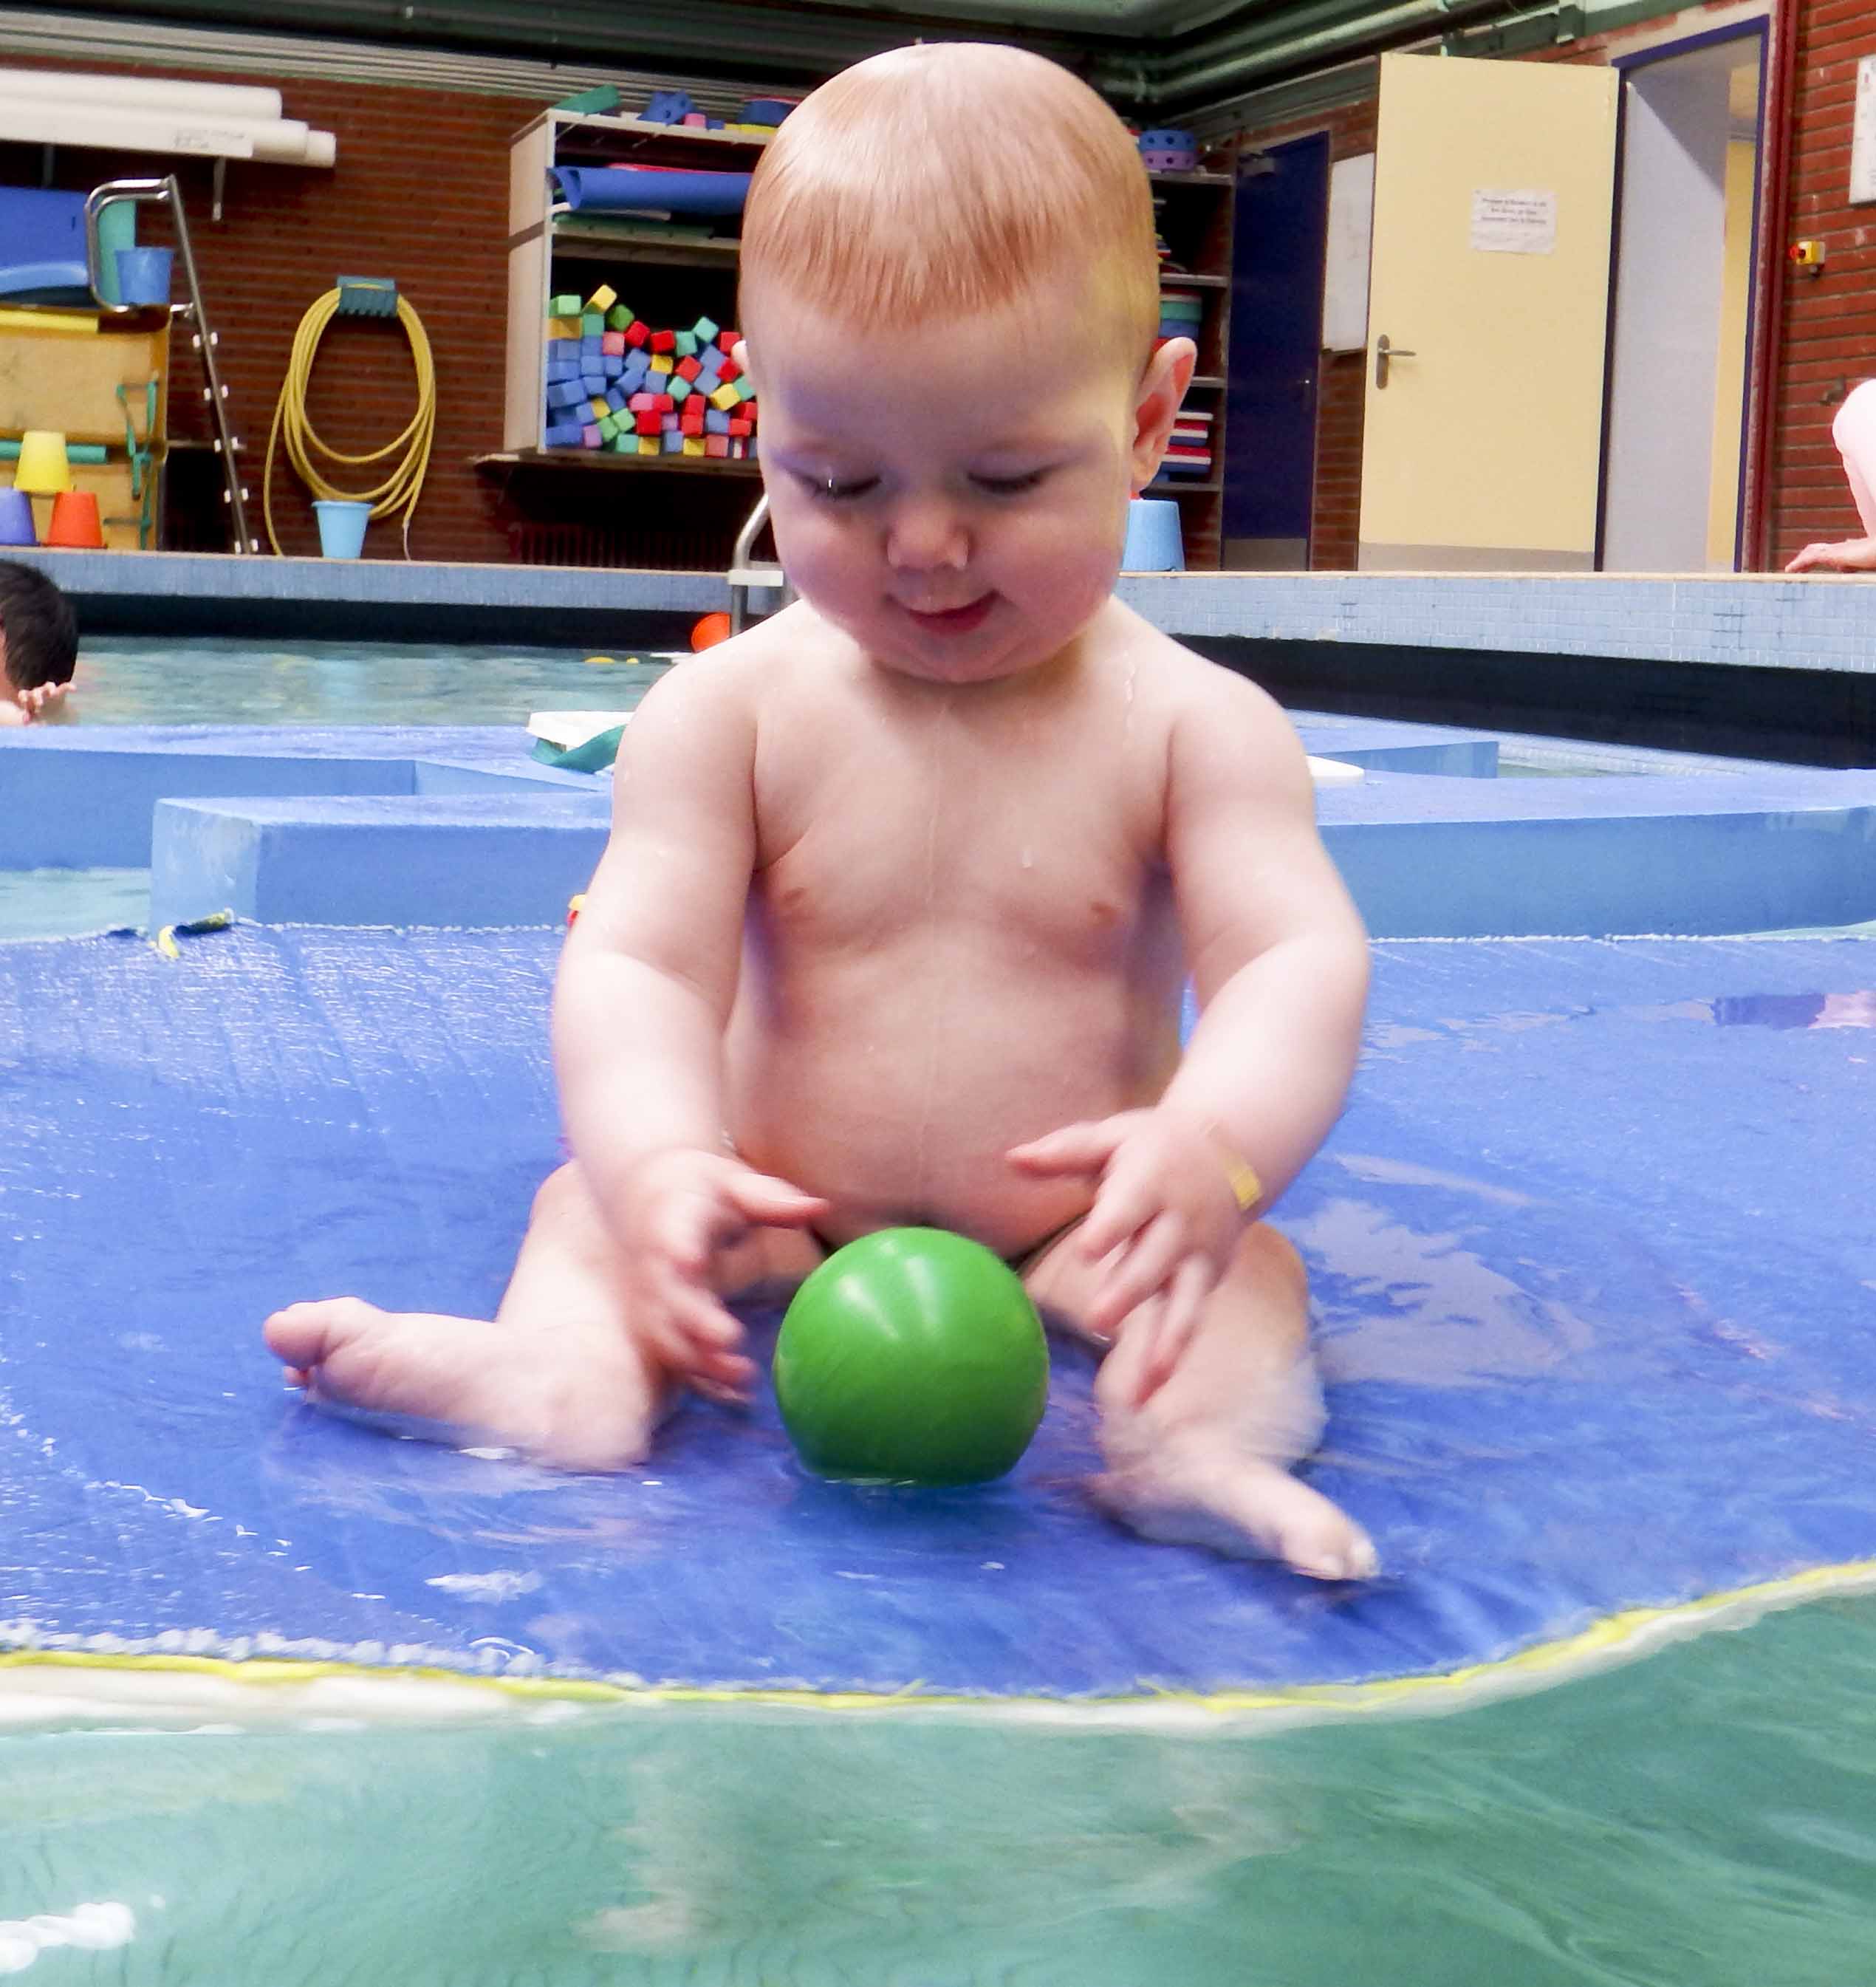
{"x": 92, "y": 452}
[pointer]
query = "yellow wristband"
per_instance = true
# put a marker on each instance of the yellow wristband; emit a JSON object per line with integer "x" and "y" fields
{"x": 1240, "y": 1175}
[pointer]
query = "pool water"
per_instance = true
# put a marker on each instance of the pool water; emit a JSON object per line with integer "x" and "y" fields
{"x": 123, "y": 680}
{"x": 1704, "y": 1819}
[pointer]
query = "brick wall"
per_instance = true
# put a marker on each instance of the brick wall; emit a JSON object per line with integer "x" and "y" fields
{"x": 420, "y": 193}
{"x": 1830, "y": 341}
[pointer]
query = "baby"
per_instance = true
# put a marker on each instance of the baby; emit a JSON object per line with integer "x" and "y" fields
{"x": 39, "y": 647}
{"x": 904, "y": 884}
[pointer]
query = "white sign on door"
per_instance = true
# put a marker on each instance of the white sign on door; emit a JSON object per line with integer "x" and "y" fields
{"x": 1344, "y": 279}
{"x": 1520, "y": 222}
{"x": 1863, "y": 134}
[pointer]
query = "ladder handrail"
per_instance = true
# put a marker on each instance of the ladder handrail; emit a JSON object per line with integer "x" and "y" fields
{"x": 743, "y": 572}
{"x": 168, "y": 192}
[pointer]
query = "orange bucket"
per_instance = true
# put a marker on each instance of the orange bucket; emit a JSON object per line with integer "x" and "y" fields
{"x": 75, "y": 521}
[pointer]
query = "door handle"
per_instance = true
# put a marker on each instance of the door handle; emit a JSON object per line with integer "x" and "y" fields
{"x": 1383, "y": 352}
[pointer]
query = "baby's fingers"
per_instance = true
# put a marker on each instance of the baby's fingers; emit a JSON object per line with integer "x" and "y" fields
{"x": 1137, "y": 1272}
{"x": 761, "y": 1197}
{"x": 1192, "y": 1283}
{"x": 1077, "y": 1150}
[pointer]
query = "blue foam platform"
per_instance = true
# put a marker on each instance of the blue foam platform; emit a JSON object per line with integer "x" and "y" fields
{"x": 469, "y": 859}
{"x": 84, "y": 798}
{"x": 1591, "y": 1252}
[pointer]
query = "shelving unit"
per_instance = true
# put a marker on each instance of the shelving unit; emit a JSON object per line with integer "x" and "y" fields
{"x": 625, "y": 508}
{"x": 1196, "y": 212}
{"x": 667, "y": 277}
{"x": 674, "y": 279}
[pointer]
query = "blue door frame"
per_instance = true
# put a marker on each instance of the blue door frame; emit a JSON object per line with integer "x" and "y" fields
{"x": 1279, "y": 247}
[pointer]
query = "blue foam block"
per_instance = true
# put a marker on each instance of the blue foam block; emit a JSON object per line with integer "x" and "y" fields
{"x": 715, "y": 422}
{"x": 565, "y": 434}
{"x": 567, "y": 393}
{"x": 497, "y": 858}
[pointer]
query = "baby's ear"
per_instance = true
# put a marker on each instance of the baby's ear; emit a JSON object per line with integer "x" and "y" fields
{"x": 1156, "y": 402}
{"x": 740, "y": 352}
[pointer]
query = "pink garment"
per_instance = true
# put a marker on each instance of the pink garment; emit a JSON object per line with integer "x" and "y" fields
{"x": 1854, "y": 433}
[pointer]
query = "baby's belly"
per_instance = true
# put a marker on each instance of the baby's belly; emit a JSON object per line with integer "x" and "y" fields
{"x": 900, "y": 1103}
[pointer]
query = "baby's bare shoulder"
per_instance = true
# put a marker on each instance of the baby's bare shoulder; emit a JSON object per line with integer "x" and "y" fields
{"x": 1196, "y": 699}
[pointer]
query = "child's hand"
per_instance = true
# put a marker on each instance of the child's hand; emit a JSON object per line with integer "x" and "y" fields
{"x": 1847, "y": 555}
{"x": 685, "y": 1205}
{"x": 36, "y": 703}
{"x": 1165, "y": 1218}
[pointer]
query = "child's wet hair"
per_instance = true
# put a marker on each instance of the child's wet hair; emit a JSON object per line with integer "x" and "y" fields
{"x": 944, "y": 180}
{"x": 40, "y": 628}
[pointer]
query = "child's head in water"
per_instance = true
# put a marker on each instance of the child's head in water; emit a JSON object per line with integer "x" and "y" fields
{"x": 38, "y": 643}
{"x": 951, "y": 295}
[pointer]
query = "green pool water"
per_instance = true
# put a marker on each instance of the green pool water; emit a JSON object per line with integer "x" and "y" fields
{"x": 1704, "y": 1819}
{"x": 223, "y": 680}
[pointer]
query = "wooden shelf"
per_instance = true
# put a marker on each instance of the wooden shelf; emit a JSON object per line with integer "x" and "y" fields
{"x": 605, "y": 459}
{"x": 597, "y": 244}
{"x": 1184, "y": 486}
{"x": 1211, "y": 381}
{"x": 1180, "y": 280}
{"x": 614, "y": 125}
{"x": 1191, "y": 179}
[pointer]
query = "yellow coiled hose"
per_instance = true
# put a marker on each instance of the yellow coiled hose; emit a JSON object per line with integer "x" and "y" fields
{"x": 400, "y": 489}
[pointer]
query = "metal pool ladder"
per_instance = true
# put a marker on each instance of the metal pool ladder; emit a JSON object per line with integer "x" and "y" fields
{"x": 167, "y": 193}
{"x": 747, "y": 574}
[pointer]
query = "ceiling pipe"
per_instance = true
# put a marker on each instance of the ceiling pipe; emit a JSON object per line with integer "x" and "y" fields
{"x": 1219, "y": 68}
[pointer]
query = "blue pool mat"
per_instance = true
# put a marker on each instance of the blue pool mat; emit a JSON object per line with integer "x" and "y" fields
{"x": 1591, "y": 1248}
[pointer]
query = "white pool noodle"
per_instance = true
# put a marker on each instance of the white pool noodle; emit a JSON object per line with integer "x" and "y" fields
{"x": 250, "y": 104}
{"x": 284, "y": 141}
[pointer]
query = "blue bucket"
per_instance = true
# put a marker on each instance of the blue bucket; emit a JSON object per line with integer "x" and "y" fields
{"x": 1153, "y": 542}
{"x": 341, "y": 526}
{"x": 143, "y": 275}
{"x": 16, "y": 518}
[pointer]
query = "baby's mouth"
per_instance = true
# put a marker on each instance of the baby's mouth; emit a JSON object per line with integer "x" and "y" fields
{"x": 953, "y": 620}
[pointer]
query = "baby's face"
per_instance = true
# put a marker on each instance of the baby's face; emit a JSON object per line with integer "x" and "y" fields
{"x": 954, "y": 497}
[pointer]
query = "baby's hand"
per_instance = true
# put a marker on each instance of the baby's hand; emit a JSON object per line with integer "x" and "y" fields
{"x": 1846, "y": 556}
{"x": 36, "y": 703}
{"x": 1165, "y": 1218}
{"x": 685, "y": 1205}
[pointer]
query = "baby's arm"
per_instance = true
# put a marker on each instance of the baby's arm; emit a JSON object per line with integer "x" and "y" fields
{"x": 644, "y": 992}
{"x": 1276, "y": 948}
{"x": 1280, "y": 963}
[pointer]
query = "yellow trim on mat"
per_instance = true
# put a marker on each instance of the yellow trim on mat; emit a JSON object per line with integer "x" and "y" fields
{"x": 1603, "y": 1642}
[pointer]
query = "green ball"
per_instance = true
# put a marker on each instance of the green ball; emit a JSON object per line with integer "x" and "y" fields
{"x": 912, "y": 1355}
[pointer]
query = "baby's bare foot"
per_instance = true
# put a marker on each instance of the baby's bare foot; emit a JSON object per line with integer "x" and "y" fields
{"x": 576, "y": 1403}
{"x": 1238, "y": 1506}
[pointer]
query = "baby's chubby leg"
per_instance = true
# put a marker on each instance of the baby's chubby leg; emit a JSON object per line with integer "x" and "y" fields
{"x": 1206, "y": 1459}
{"x": 557, "y": 1373}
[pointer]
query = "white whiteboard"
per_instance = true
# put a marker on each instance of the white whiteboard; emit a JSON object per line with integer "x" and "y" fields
{"x": 1345, "y": 283}
{"x": 1863, "y": 134}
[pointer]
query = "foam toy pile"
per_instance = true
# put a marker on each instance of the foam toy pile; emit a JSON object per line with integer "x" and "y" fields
{"x": 1190, "y": 451}
{"x": 759, "y": 114}
{"x": 615, "y": 383}
{"x": 1169, "y": 151}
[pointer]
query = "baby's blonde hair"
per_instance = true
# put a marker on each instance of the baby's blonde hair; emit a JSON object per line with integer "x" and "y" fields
{"x": 946, "y": 180}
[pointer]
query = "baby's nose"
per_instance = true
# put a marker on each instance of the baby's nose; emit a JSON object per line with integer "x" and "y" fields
{"x": 922, "y": 535}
